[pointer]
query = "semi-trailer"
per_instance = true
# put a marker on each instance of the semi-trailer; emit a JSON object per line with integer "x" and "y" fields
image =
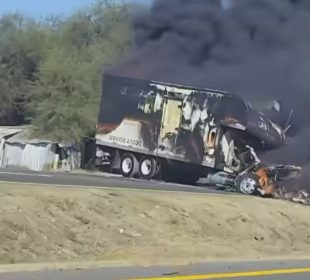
{"x": 164, "y": 131}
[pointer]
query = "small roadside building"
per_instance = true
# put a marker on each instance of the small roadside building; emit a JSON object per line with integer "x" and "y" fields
{"x": 25, "y": 151}
{"x": 5, "y": 133}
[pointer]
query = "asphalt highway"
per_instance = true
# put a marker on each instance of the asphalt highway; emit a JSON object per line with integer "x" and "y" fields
{"x": 273, "y": 270}
{"x": 96, "y": 180}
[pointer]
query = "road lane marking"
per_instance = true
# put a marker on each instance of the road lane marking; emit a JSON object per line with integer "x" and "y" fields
{"x": 25, "y": 174}
{"x": 233, "y": 274}
{"x": 186, "y": 188}
{"x": 133, "y": 189}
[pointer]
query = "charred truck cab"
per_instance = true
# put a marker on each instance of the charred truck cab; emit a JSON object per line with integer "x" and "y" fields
{"x": 155, "y": 130}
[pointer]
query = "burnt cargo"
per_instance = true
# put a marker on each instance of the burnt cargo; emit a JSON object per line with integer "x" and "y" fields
{"x": 196, "y": 128}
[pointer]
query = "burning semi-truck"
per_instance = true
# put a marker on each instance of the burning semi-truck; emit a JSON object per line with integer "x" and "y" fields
{"x": 162, "y": 131}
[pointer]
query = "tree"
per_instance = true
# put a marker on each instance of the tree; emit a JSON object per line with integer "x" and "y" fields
{"x": 21, "y": 44}
{"x": 65, "y": 98}
{"x": 50, "y": 71}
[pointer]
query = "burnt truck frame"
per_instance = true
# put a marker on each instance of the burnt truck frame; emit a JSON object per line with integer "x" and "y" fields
{"x": 155, "y": 130}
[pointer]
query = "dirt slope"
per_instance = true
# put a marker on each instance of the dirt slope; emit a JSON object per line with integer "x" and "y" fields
{"x": 40, "y": 224}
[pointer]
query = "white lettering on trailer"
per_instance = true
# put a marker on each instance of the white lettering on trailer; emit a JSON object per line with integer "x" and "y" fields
{"x": 126, "y": 134}
{"x": 126, "y": 141}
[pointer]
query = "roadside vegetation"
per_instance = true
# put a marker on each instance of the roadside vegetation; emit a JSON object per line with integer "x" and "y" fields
{"x": 50, "y": 69}
{"x": 40, "y": 224}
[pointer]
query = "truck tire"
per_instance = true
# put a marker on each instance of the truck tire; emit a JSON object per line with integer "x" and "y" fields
{"x": 247, "y": 184}
{"x": 148, "y": 168}
{"x": 129, "y": 166}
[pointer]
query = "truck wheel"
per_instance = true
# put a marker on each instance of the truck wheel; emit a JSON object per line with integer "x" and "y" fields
{"x": 148, "y": 168}
{"x": 129, "y": 165}
{"x": 247, "y": 184}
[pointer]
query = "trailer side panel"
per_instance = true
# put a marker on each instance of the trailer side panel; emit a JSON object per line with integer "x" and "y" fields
{"x": 163, "y": 120}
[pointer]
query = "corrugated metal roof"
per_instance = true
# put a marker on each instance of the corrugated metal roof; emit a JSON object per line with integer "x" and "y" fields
{"x": 6, "y": 131}
{"x": 24, "y": 137}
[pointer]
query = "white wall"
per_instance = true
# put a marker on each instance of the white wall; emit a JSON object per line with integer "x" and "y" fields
{"x": 32, "y": 156}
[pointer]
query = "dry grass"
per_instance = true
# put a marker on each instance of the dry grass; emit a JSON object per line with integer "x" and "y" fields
{"x": 40, "y": 224}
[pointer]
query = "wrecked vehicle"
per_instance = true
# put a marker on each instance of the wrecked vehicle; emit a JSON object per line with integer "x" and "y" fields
{"x": 156, "y": 130}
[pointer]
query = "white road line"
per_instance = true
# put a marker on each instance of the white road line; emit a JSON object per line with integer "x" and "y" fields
{"x": 114, "y": 188}
{"x": 25, "y": 174}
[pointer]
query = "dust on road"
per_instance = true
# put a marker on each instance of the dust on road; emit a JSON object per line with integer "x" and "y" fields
{"x": 40, "y": 224}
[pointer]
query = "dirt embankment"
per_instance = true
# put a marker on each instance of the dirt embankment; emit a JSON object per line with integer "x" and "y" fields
{"x": 40, "y": 224}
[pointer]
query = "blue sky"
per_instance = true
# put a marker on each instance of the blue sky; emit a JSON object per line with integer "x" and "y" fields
{"x": 42, "y": 8}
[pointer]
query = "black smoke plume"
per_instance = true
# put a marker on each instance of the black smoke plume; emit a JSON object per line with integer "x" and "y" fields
{"x": 258, "y": 49}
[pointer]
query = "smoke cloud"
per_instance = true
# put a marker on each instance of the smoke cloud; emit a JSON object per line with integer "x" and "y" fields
{"x": 258, "y": 49}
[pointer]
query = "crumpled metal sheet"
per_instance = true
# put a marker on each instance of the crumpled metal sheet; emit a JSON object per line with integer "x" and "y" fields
{"x": 299, "y": 196}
